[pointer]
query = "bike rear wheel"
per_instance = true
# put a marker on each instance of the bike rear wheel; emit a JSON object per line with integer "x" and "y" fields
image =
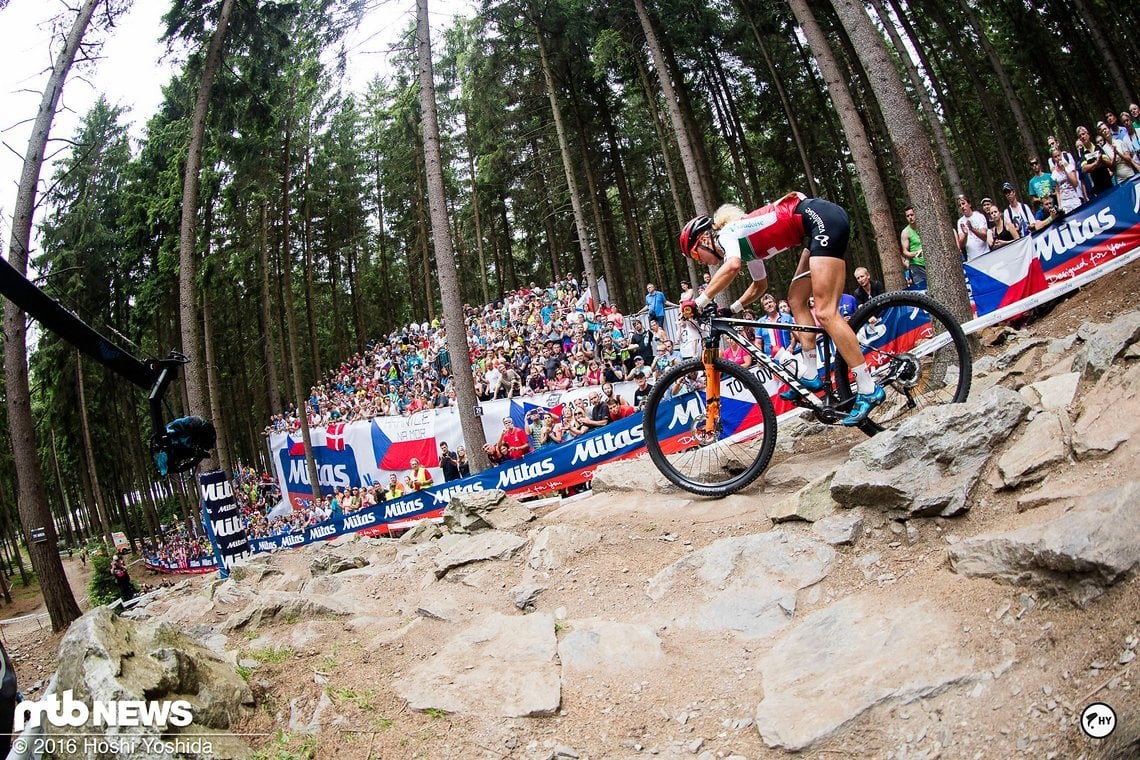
{"x": 713, "y": 462}
{"x": 917, "y": 352}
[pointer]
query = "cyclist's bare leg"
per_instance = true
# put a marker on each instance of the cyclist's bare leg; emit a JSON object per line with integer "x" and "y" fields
{"x": 828, "y": 275}
{"x": 798, "y": 293}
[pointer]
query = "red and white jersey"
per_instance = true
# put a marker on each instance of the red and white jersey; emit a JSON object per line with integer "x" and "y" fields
{"x": 765, "y": 232}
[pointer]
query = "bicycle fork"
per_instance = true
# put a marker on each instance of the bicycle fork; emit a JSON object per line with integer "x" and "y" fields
{"x": 712, "y": 390}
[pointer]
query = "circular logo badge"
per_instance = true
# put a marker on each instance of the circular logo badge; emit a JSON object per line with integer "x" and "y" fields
{"x": 1098, "y": 720}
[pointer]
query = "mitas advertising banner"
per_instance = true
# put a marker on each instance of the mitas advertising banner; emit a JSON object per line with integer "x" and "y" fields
{"x": 1095, "y": 234}
{"x": 223, "y": 520}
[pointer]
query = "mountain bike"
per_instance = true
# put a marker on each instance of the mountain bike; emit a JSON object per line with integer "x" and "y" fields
{"x": 710, "y": 424}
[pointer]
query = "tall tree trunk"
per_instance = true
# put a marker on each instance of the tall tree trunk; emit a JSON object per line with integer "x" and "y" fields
{"x": 674, "y": 186}
{"x": 445, "y": 258}
{"x": 307, "y": 255}
{"x": 702, "y": 201}
{"x": 915, "y": 158}
{"x": 195, "y": 374}
{"x": 568, "y": 167}
{"x": 878, "y": 203}
{"x": 1104, "y": 51}
{"x": 62, "y": 490}
{"x": 264, "y": 313}
{"x": 31, "y": 495}
{"x": 619, "y": 297}
{"x": 475, "y": 212}
{"x": 933, "y": 122}
{"x": 89, "y": 455}
{"x": 302, "y": 398}
{"x": 213, "y": 385}
{"x": 785, "y": 102}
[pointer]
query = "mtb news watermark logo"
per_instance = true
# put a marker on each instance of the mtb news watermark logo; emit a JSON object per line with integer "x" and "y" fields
{"x": 68, "y": 711}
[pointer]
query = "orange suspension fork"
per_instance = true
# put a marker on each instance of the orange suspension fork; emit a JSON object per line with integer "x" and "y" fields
{"x": 712, "y": 388}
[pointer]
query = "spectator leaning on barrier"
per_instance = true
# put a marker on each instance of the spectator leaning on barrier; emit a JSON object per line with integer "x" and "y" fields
{"x": 421, "y": 478}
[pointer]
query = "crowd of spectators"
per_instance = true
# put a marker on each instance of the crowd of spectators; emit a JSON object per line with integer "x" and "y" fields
{"x": 1061, "y": 180}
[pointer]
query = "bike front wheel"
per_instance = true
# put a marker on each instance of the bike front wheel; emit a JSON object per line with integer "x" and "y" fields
{"x": 917, "y": 353}
{"x": 714, "y": 459}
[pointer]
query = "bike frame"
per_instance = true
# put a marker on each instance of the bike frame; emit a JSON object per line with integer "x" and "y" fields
{"x": 730, "y": 327}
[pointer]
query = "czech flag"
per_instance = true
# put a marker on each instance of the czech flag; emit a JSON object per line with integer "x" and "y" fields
{"x": 1001, "y": 277}
{"x": 398, "y": 455}
{"x": 296, "y": 447}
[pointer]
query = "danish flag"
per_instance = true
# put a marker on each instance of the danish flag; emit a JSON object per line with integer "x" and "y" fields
{"x": 334, "y": 436}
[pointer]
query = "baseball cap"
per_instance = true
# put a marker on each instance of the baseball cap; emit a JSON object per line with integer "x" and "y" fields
{"x": 1006, "y": 186}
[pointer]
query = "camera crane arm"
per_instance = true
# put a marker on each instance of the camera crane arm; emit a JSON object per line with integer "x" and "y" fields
{"x": 177, "y": 446}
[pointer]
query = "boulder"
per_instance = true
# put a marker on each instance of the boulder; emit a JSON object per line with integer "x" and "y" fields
{"x": 104, "y": 658}
{"x": 840, "y": 529}
{"x": 850, "y": 657}
{"x": 1103, "y": 344}
{"x": 812, "y": 502}
{"x": 287, "y": 606}
{"x": 1042, "y": 444}
{"x": 482, "y": 546}
{"x": 604, "y": 646}
{"x": 478, "y": 511}
{"x": 331, "y": 563}
{"x": 1101, "y": 428}
{"x": 1077, "y": 554}
{"x": 557, "y": 543}
{"x": 929, "y": 465}
{"x": 422, "y": 532}
{"x": 631, "y": 475}
{"x": 1053, "y": 393}
{"x": 253, "y": 569}
{"x": 747, "y": 584}
{"x": 502, "y": 666}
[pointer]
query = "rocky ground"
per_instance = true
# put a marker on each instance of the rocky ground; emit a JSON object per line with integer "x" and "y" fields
{"x": 639, "y": 621}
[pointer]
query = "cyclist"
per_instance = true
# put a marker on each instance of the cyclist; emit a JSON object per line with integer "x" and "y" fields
{"x": 733, "y": 237}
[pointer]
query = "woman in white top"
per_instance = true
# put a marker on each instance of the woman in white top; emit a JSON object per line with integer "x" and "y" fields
{"x": 1114, "y": 151}
{"x": 1064, "y": 175}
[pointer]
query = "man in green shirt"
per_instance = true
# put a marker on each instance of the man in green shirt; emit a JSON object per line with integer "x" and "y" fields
{"x": 911, "y": 248}
{"x": 1040, "y": 184}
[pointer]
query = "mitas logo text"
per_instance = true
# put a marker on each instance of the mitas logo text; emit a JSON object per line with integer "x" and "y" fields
{"x": 69, "y": 711}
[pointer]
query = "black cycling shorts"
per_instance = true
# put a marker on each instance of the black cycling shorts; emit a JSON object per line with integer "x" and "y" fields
{"x": 827, "y": 226}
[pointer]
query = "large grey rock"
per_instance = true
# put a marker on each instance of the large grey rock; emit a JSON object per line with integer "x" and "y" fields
{"x": 1104, "y": 343}
{"x": 478, "y": 511}
{"x": 796, "y": 429}
{"x": 1041, "y": 445}
{"x": 477, "y": 548}
{"x": 422, "y": 532}
{"x": 626, "y": 475}
{"x": 746, "y": 584}
{"x": 929, "y": 465}
{"x": 1101, "y": 428}
{"x": 503, "y": 666}
{"x": 286, "y": 606}
{"x": 797, "y": 471}
{"x": 841, "y": 529}
{"x": 105, "y": 658}
{"x": 851, "y": 656}
{"x": 253, "y": 569}
{"x": 1054, "y": 393}
{"x": 812, "y": 502}
{"x": 593, "y": 644}
{"x": 331, "y": 563}
{"x": 1079, "y": 553}
{"x": 555, "y": 544}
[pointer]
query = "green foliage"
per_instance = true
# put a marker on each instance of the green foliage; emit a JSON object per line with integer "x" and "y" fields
{"x": 271, "y": 655}
{"x": 101, "y": 589}
{"x": 285, "y": 746}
